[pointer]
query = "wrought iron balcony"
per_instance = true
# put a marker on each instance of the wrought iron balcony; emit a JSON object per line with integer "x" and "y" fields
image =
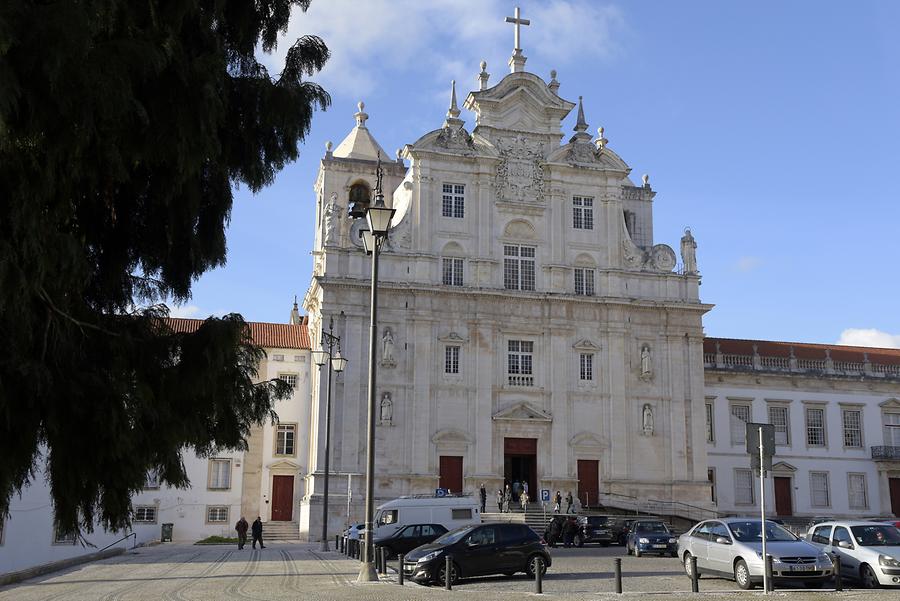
{"x": 886, "y": 453}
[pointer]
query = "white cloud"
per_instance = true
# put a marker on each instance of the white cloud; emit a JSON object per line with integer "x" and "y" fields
{"x": 747, "y": 263}
{"x": 184, "y": 311}
{"x": 444, "y": 39}
{"x": 869, "y": 337}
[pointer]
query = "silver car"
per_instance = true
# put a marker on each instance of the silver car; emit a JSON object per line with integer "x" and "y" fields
{"x": 732, "y": 548}
{"x": 869, "y": 552}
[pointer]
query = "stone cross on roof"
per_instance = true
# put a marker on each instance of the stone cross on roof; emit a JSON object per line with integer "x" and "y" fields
{"x": 517, "y": 21}
{"x": 517, "y": 60}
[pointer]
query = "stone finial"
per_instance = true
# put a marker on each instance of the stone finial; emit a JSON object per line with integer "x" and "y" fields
{"x": 601, "y": 141}
{"x": 581, "y": 125}
{"x": 399, "y": 155}
{"x": 328, "y": 146}
{"x": 453, "y": 111}
{"x": 361, "y": 116}
{"x": 554, "y": 84}
{"x": 483, "y": 77}
{"x": 646, "y": 180}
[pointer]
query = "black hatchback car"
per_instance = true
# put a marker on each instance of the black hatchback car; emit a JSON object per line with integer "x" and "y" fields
{"x": 596, "y": 529}
{"x": 478, "y": 550}
{"x": 407, "y": 538}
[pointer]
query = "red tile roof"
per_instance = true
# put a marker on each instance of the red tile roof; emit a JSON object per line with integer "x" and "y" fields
{"x": 803, "y": 350}
{"x": 270, "y": 335}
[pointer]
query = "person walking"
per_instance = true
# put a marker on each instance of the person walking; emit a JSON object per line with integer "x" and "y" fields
{"x": 499, "y": 500}
{"x": 256, "y": 530}
{"x": 569, "y": 532}
{"x": 241, "y": 528}
{"x": 507, "y": 498}
{"x": 482, "y": 492}
{"x": 569, "y": 502}
{"x": 557, "y": 502}
{"x": 523, "y": 498}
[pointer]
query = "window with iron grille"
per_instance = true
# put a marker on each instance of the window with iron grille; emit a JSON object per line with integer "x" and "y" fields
{"x": 152, "y": 480}
{"x": 818, "y": 489}
{"x": 858, "y": 493}
{"x": 586, "y": 371}
{"x": 740, "y": 415}
{"x": 285, "y": 435}
{"x": 451, "y": 360}
{"x": 780, "y": 418}
{"x": 583, "y": 212}
{"x": 453, "y": 204}
{"x": 815, "y": 427}
{"x": 710, "y": 431}
{"x": 852, "y": 419}
{"x": 519, "y": 358}
{"x": 584, "y": 281}
{"x": 518, "y": 267}
{"x": 743, "y": 487}
{"x": 219, "y": 474}
{"x": 145, "y": 514}
{"x": 289, "y": 379}
{"x": 217, "y": 513}
{"x": 452, "y": 268}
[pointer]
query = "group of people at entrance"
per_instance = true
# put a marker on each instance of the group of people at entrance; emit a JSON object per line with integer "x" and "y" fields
{"x": 256, "y": 530}
{"x": 557, "y": 502}
{"x": 515, "y": 493}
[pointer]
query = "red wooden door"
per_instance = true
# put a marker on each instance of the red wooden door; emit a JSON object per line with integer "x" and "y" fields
{"x": 588, "y": 481}
{"x": 783, "y": 505}
{"x": 451, "y": 473}
{"x": 894, "y": 484}
{"x": 282, "y": 498}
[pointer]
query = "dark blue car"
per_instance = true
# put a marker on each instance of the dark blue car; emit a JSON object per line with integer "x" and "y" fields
{"x": 651, "y": 536}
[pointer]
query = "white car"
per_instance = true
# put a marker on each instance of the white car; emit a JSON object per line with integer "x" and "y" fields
{"x": 356, "y": 531}
{"x": 869, "y": 552}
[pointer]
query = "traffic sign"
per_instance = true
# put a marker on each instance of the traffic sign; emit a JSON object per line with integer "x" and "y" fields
{"x": 768, "y": 444}
{"x": 440, "y": 492}
{"x": 545, "y": 495}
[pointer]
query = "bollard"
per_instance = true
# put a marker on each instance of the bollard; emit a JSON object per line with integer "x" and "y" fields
{"x": 384, "y": 560}
{"x": 341, "y": 546}
{"x": 448, "y": 566}
{"x": 337, "y": 541}
{"x": 695, "y": 576}
{"x": 618, "y": 562}
{"x": 538, "y": 575}
{"x": 770, "y": 586}
{"x": 838, "y": 579}
{"x": 378, "y": 560}
{"x": 400, "y": 570}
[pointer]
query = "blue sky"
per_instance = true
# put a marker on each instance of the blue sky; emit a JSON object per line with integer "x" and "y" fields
{"x": 768, "y": 127}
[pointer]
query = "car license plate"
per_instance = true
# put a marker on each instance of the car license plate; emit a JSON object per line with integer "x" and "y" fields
{"x": 808, "y": 568}
{"x": 659, "y": 546}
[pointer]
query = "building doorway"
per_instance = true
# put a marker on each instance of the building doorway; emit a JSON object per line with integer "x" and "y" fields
{"x": 520, "y": 463}
{"x": 282, "y": 498}
{"x": 783, "y": 504}
{"x": 588, "y": 482}
{"x": 894, "y": 487}
{"x": 451, "y": 473}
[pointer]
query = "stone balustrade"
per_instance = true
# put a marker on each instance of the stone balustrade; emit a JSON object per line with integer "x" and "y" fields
{"x": 825, "y": 366}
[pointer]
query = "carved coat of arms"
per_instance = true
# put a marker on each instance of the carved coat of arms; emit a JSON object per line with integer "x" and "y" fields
{"x": 520, "y": 175}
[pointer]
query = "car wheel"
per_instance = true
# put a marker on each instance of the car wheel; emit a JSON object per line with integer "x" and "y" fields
{"x": 742, "y": 575}
{"x": 687, "y": 564}
{"x": 579, "y": 541}
{"x": 454, "y": 573}
{"x": 533, "y": 562}
{"x": 867, "y": 577}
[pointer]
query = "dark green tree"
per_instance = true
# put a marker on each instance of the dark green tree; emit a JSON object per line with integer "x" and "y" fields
{"x": 124, "y": 127}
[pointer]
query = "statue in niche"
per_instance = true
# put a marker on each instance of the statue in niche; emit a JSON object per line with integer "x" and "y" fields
{"x": 689, "y": 252}
{"x": 646, "y": 362}
{"x": 387, "y": 348}
{"x": 332, "y": 216}
{"x": 386, "y": 414}
{"x": 647, "y": 420}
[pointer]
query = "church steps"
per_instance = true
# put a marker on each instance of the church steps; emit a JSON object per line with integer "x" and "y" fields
{"x": 281, "y": 531}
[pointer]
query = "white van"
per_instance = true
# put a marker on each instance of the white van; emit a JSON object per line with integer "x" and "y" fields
{"x": 449, "y": 512}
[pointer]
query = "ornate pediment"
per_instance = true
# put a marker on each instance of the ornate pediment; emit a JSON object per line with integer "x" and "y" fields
{"x": 453, "y": 337}
{"x": 585, "y": 345}
{"x": 451, "y": 435}
{"x": 284, "y": 465}
{"x": 520, "y": 173}
{"x": 783, "y": 466}
{"x": 891, "y": 403}
{"x": 522, "y": 412}
{"x": 586, "y": 440}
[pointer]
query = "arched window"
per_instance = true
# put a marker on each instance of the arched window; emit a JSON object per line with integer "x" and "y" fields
{"x": 359, "y": 199}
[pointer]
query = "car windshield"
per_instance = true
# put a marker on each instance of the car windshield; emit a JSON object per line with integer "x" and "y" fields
{"x": 650, "y": 527}
{"x": 750, "y": 532}
{"x": 453, "y": 536}
{"x": 876, "y": 536}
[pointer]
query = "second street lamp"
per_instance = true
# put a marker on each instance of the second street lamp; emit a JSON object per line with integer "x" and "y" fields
{"x": 336, "y": 363}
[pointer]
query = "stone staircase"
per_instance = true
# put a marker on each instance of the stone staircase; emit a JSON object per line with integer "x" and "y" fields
{"x": 280, "y": 531}
{"x": 534, "y": 518}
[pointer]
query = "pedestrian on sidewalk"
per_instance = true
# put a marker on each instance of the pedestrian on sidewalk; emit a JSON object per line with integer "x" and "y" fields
{"x": 557, "y": 502}
{"x": 569, "y": 502}
{"x": 482, "y": 492}
{"x": 507, "y": 498}
{"x": 524, "y": 500}
{"x": 569, "y": 529}
{"x": 499, "y": 500}
{"x": 256, "y": 530}
{"x": 241, "y": 528}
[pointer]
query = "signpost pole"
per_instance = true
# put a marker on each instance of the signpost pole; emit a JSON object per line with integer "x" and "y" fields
{"x": 762, "y": 506}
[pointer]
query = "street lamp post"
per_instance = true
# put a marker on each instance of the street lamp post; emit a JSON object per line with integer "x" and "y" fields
{"x": 378, "y": 217}
{"x": 337, "y": 364}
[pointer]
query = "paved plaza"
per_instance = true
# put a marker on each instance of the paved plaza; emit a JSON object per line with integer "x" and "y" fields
{"x": 300, "y": 571}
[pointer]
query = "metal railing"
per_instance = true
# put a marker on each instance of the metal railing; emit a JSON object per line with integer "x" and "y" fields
{"x": 133, "y": 544}
{"x": 886, "y": 452}
{"x": 661, "y": 507}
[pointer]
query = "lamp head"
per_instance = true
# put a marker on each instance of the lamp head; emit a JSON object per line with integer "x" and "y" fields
{"x": 318, "y": 356}
{"x": 338, "y": 362}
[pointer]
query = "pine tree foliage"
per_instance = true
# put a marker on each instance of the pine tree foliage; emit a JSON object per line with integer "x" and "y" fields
{"x": 124, "y": 127}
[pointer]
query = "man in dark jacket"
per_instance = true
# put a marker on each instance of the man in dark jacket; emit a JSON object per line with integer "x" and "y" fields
{"x": 256, "y": 530}
{"x": 241, "y": 528}
{"x": 569, "y": 529}
{"x": 483, "y": 494}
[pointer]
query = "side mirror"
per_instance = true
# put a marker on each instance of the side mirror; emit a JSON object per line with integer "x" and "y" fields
{"x": 845, "y": 544}
{"x": 722, "y": 540}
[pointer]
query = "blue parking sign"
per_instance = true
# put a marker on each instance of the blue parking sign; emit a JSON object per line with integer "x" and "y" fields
{"x": 545, "y": 494}
{"x": 440, "y": 492}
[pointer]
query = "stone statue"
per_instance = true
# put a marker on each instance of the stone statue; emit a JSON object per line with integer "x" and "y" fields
{"x": 387, "y": 409}
{"x": 332, "y": 215}
{"x": 689, "y": 252}
{"x": 646, "y": 362}
{"x": 387, "y": 347}
{"x": 647, "y": 420}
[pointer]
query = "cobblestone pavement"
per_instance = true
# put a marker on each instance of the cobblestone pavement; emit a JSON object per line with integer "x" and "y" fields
{"x": 299, "y": 571}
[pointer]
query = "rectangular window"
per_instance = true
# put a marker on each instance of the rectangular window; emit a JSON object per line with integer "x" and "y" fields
{"x": 461, "y": 514}
{"x": 61, "y": 537}
{"x": 453, "y": 204}
{"x": 152, "y": 481}
{"x": 780, "y": 418}
{"x": 586, "y": 372}
{"x": 892, "y": 429}
{"x": 711, "y": 477}
{"x": 277, "y": 357}
{"x": 518, "y": 267}
{"x": 519, "y": 358}
{"x": 852, "y": 419}
{"x": 289, "y": 379}
{"x": 740, "y": 415}
{"x": 451, "y": 360}
{"x": 584, "y": 281}
{"x": 710, "y": 430}
{"x": 145, "y": 514}
{"x": 219, "y": 474}
{"x": 818, "y": 489}
{"x": 217, "y": 514}
{"x": 859, "y": 498}
{"x": 285, "y": 435}
{"x": 583, "y": 212}
{"x": 815, "y": 427}
{"x": 743, "y": 487}
{"x": 452, "y": 271}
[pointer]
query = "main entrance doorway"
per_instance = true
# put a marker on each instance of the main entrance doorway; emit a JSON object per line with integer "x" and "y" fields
{"x": 282, "y": 498}
{"x": 450, "y": 473}
{"x": 520, "y": 463}
{"x": 783, "y": 504}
